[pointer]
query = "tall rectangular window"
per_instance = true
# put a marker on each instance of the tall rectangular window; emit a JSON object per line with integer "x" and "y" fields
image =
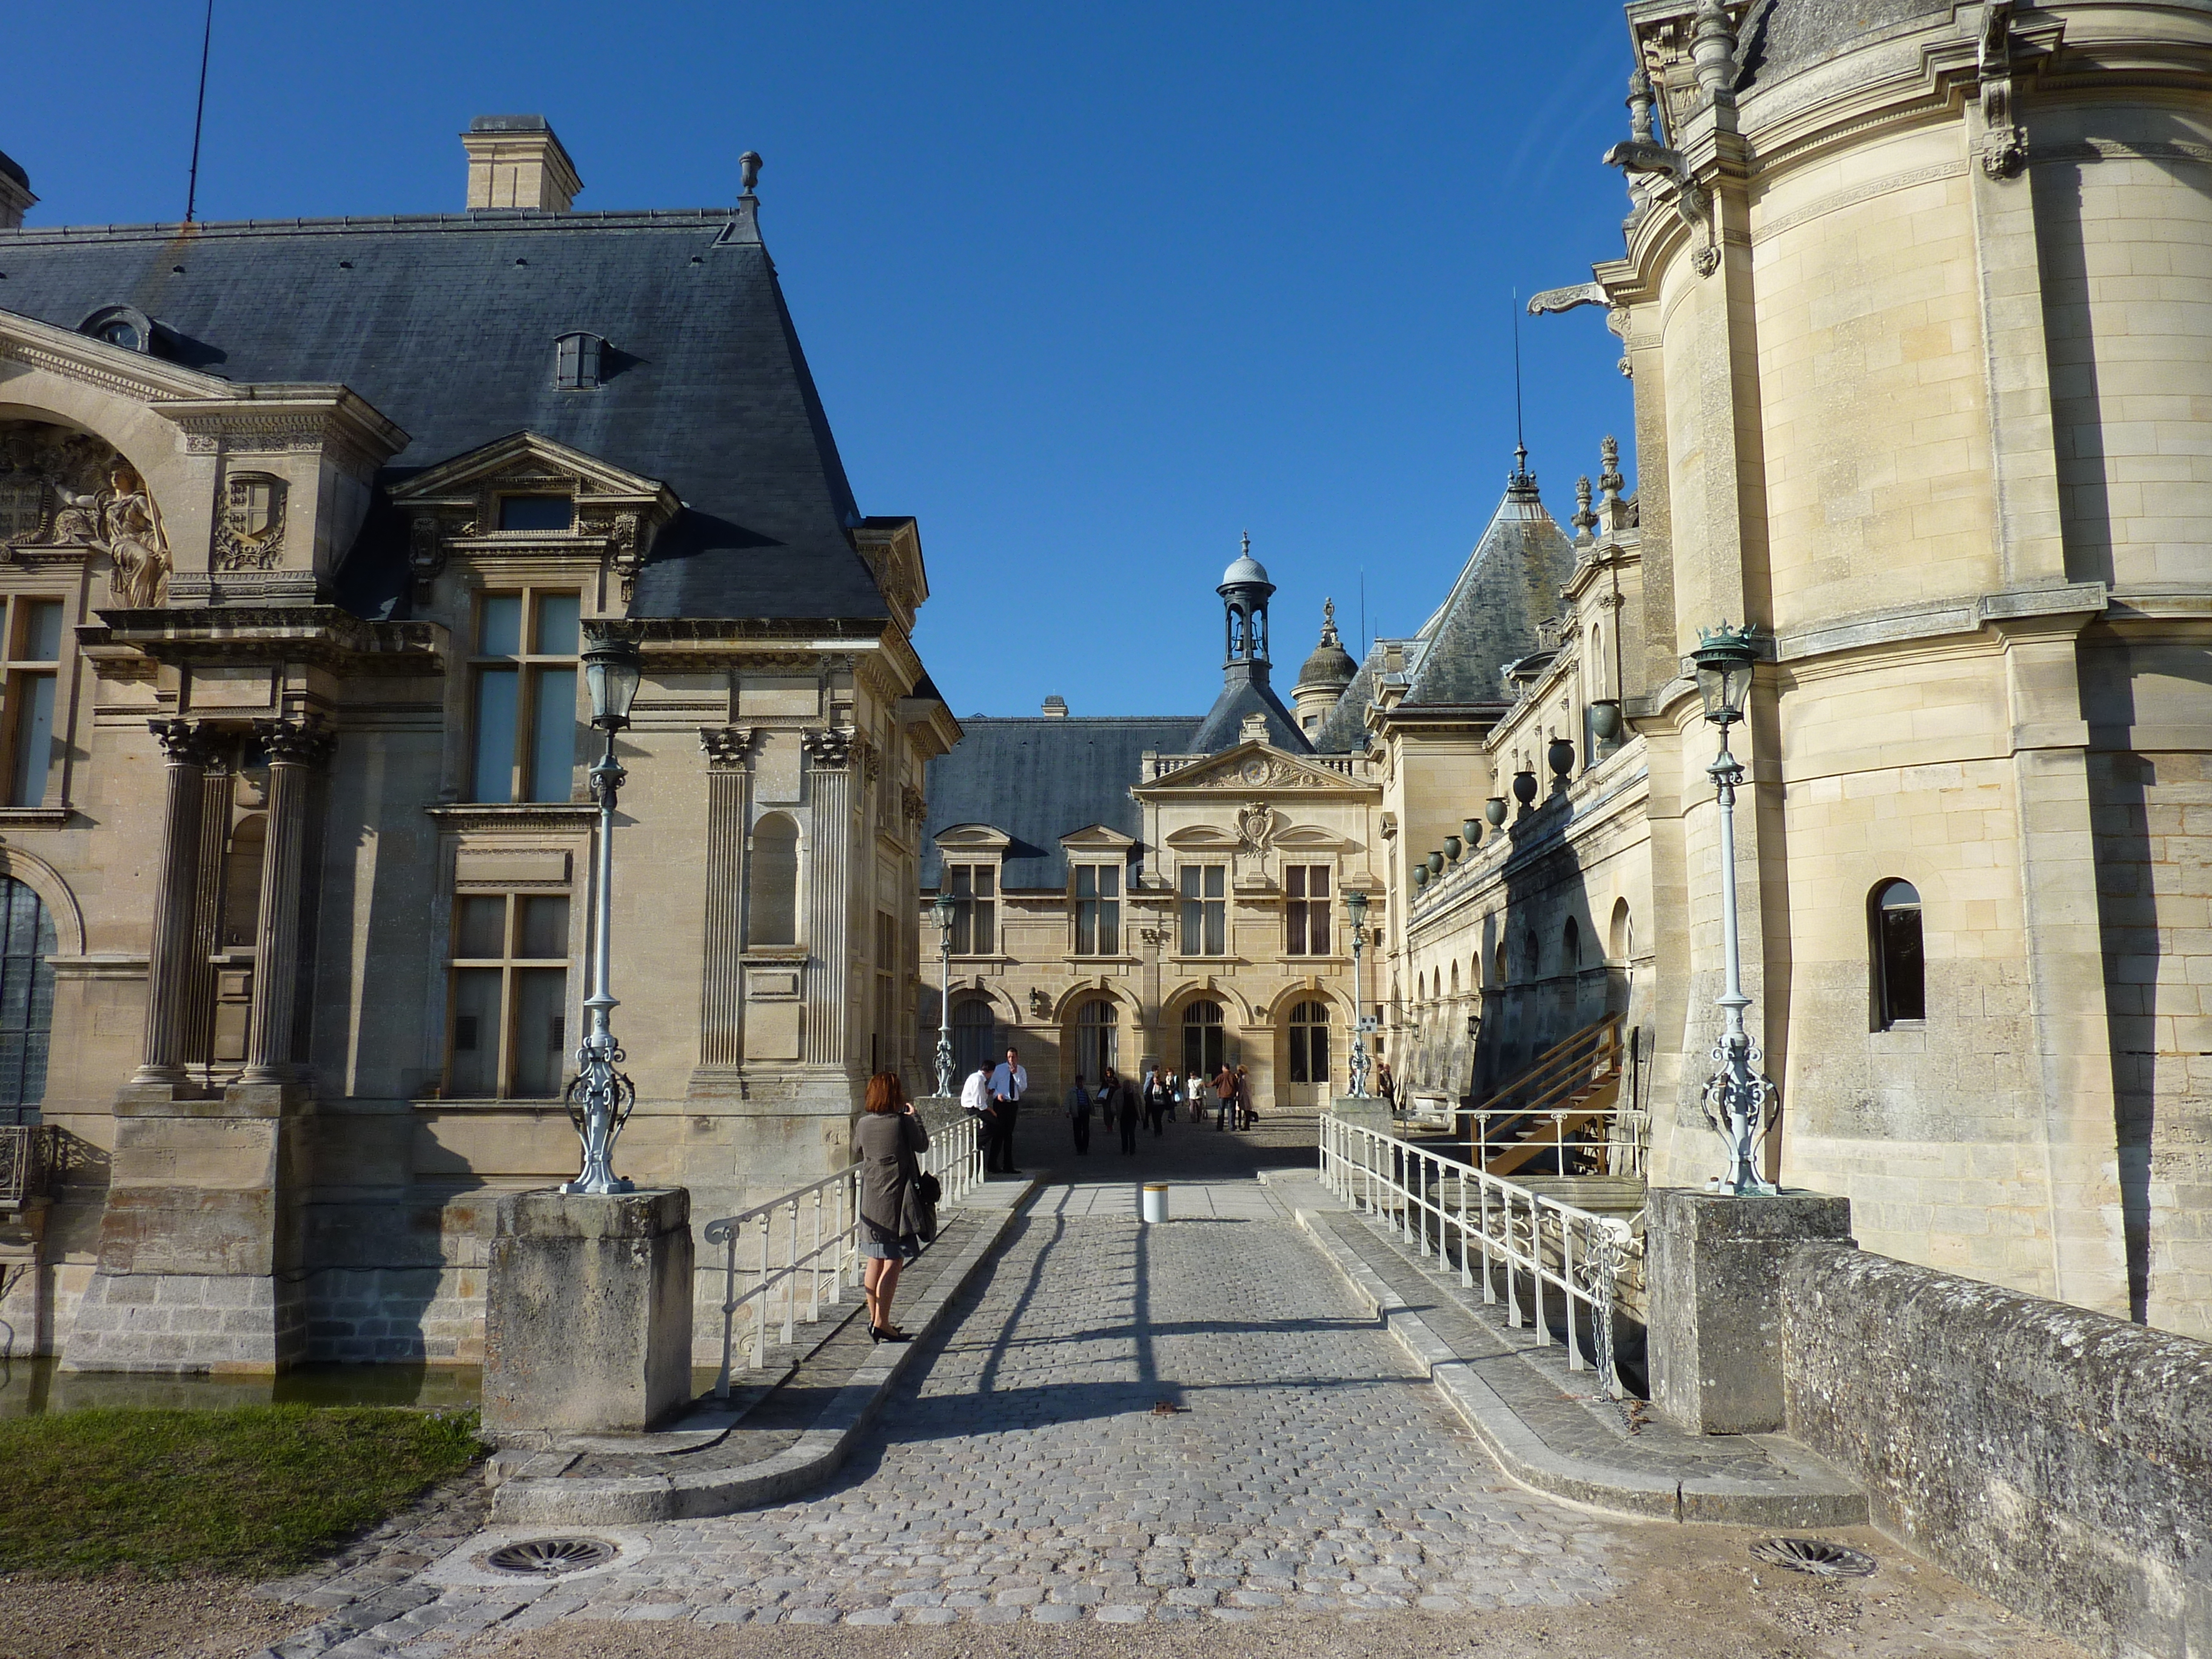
{"x": 34, "y": 651}
{"x": 1305, "y": 909}
{"x": 524, "y": 716}
{"x": 1098, "y": 909}
{"x": 1204, "y": 889}
{"x": 886, "y": 1037}
{"x": 509, "y": 1036}
{"x": 974, "y": 908}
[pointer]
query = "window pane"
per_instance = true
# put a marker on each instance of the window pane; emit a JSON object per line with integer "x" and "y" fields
{"x": 1317, "y": 1061}
{"x": 1295, "y": 926}
{"x": 773, "y": 892}
{"x": 1215, "y": 942}
{"x": 960, "y": 877}
{"x": 553, "y": 735}
{"x": 1109, "y": 881}
{"x": 1189, "y": 875}
{"x": 1193, "y": 927}
{"x": 1294, "y": 881}
{"x": 494, "y": 772}
{"x": 985, "y": 925}
{"x": 1318, "y": 921}
{"x": 1109, "y": 928}
{"x": 1086, "y": 881}
{"x": 1904, "y": 974}
{"x": 1318, "y": 881}
{"x": 34, "y": 738}
{"x": 962, "y": 923}
{"x": 480, "y": 927}
{"x": 1216, "y": 875}
{"x": 499, "y": 625}
{"x": 42, "y": 631}
{"x": 1086, "y": 929}
{"x": 540, "y": 1034}
{"x": 985, "y": 875}
{"x": 535, "y": 513}
{"x": 544, "y": 927}
{"x": 476, "y": 1032}
{"x": 556, "y": 633}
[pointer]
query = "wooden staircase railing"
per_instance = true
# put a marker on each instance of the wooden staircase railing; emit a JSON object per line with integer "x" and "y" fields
{"x": 1547, "y": 1106}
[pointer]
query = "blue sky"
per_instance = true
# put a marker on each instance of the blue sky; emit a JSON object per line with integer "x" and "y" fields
{"x": 1089, "y": 289}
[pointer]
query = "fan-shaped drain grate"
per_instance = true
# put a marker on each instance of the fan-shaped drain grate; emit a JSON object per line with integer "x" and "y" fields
{"x": 548, "y": 1557}
{"x": 1814, "y": 1555}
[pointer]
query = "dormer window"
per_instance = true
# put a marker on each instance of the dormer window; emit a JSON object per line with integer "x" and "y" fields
{"x": 576, "y": 361}
{"x": 120, "y": 325}
{"x": 538, "y": 513}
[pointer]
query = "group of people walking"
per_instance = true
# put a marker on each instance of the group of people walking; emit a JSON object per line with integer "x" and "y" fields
{"x": 993, "y": 1096}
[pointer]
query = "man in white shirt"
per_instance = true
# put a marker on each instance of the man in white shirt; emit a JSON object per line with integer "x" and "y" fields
{"x": 975, "y": 1092}
{"x": 1009, "y": 1082}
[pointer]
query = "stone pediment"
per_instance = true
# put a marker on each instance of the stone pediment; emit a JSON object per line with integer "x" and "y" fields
{"x": 1096, "y": 838}
{"x": 1252, "y": 767}
{"x": 454, "y": 507}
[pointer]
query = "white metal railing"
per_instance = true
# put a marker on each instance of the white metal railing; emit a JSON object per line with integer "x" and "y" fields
{"x": 819, "y": 1255}
{"x": 1570, "y": 1256}
{"x": 1555, "y": 1131}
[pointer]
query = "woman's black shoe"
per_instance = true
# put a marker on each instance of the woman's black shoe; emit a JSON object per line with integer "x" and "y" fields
{"x": 893, "y": 1336}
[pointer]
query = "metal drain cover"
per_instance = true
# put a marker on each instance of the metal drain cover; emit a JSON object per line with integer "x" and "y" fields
{"x": 1814, "y": 1555}
{"x": 549, "y": 1556}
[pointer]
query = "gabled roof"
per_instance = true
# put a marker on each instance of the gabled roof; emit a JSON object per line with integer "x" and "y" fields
{"x": 1040, "y": 780}
{"x": 1242, "y": 694}
{"x": 1509, "y": 583}
{"x": 446, "y": 324}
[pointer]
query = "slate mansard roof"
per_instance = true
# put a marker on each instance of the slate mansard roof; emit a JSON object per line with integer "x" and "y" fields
{"x": 446, "y": 324}
{"x": 1038, "y": 780}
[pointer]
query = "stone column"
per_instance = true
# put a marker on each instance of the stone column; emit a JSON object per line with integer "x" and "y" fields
{"x": 829, "y": 902}
{"x": 169, "y": 973}
{"x": 721, "y": 994}
{"x": 293, "y": 748}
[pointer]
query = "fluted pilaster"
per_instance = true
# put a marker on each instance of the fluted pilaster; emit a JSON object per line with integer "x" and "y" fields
{"x": 168, "y": 969}
{"x": 830, "y": 755}
{"x": 295, "y": 748}
{"x": 729, "y": 796}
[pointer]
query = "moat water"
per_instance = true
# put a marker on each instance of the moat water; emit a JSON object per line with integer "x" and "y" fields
{"x": 28, "y": 1387}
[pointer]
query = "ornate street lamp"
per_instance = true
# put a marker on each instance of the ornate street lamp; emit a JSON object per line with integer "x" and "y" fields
{"x": 599, "y": 1098}
{"x": 1355, "y": 910}
{"x": 942, "y": 913}
{"x": 1738, "y": 1098}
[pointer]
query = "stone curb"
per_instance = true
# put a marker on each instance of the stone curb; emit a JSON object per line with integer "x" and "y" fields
{"x": 813, "y": 1458}
{"x": 1816, "y": 1497}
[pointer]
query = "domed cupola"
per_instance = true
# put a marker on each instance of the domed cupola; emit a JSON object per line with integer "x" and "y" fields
{"x": 1245, "y": 590}
{"x": 1322, "y": 681}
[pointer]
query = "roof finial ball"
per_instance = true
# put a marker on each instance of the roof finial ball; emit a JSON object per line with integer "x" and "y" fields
{"x": 749, "y": 166}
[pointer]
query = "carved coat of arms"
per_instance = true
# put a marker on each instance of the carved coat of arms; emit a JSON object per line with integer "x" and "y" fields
{"x": 250, "y": 534}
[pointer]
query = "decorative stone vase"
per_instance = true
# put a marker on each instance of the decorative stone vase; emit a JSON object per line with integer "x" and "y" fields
{"x": 1495, "y": 810}
{"x": 1472, "y": 829}
{"x": 1452, "y": 849}
{"x": 1605, "y": 719}
{"x": 1524, "y": 788}
{"x": 1420, "y": 875}
{"x": 1436, "y": 863}
{"x": 1561, "y": 755}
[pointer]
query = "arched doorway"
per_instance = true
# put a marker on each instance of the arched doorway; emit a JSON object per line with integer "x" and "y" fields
{"x": 1309, "y": 1083}
{"x": 1097, "y": 1039}
{"x": 26, "y": 999}
{"x": 974, "y": 1034}
{"x": 1203, "y": 1043}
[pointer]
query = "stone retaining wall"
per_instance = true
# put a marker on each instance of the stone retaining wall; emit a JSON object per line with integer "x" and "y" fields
{"x": 2058, "y": 1460}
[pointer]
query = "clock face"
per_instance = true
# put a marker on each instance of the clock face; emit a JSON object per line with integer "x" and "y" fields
{"x": 1255, "y": 770}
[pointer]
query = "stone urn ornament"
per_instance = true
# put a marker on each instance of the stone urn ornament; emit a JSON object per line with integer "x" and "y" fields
{"x": 1605, "y": 719}
{"x": 1561, "y": 755}
{"x": 1472, "y": 829}
{"x": 1495, "y": 810}
{"x": 1452, "y": 849}
{"x": 1421, "y": 875}
{"x": 1524, "y": 788}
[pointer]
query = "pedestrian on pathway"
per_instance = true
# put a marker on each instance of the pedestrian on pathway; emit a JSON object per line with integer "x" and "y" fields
{"x": 1118, "y": 1103}
{"x": 1246, "y": 1117}
{"x": 1078, "y": 1116}
{"x": 1009, "y": 1081}
{"x": 898, "y": 1217}
{"x": 975, "y": 1101}
{"x": 1159, "y": 1102}
{"x": 1174, "y": 1085}
{"x": 1224, "y": 1092}
{"x": 1385, "y": 1085}
{"x": 1197, "y": 1092}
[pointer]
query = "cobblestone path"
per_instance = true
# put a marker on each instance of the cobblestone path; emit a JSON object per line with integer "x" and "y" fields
{"x": 1026, "y": 1475}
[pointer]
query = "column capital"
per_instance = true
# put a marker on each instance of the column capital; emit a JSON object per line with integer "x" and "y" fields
{"x": 832, "y": 748}
{"x": 726, "y": 746}
{"x": 186, "y": 742}
{"x": 303, "y": 742}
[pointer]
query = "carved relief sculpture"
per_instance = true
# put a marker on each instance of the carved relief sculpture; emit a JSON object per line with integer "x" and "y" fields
{"x": 60, "y": 489}
{"x": 249, "y": 531}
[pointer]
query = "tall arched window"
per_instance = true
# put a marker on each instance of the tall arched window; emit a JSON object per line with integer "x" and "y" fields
{"x": 1532, "y": 966}
{"x": 1454, "y": 977}
{"x": 1498, "y": 974}
{"x": 1202, "y": 1038}
{"x": 972, "y": 1031}
{"x": 1622, "y": 944}
{"x": 1570, "y": 946}
{"x": 1310, "y": 1042}
{"x": 1097, "y": 1038}
{"x": 26, "y": 999}
{"x": 241, "y": 882}
{"x": 772, "y": 895}
{"x": 1900, "y": 973}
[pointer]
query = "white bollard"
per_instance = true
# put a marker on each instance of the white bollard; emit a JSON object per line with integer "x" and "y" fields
{"x": 1156, "y": 1200}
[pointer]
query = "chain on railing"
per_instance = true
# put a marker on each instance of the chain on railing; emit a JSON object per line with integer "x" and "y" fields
{"x": 828, "y": 1214}
{"x": 1572, "y": 1254}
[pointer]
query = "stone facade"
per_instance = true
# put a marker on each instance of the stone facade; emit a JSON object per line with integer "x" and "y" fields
{"x": 297, "y": 742}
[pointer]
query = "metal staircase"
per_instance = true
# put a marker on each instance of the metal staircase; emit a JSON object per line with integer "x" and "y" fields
{"x": 1561, "y": 1108}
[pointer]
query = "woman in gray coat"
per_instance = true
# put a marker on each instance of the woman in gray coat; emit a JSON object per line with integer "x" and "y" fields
{"x": 896, "y": 1217}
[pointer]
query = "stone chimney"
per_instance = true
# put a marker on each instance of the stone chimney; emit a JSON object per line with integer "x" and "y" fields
{"x": 15, "y": 197}
{"x": 1055, "y": 709}
{"x": 515, "y": 161}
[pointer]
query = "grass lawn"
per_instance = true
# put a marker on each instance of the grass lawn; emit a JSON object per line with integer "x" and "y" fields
{"x": 254, "y": 1491}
